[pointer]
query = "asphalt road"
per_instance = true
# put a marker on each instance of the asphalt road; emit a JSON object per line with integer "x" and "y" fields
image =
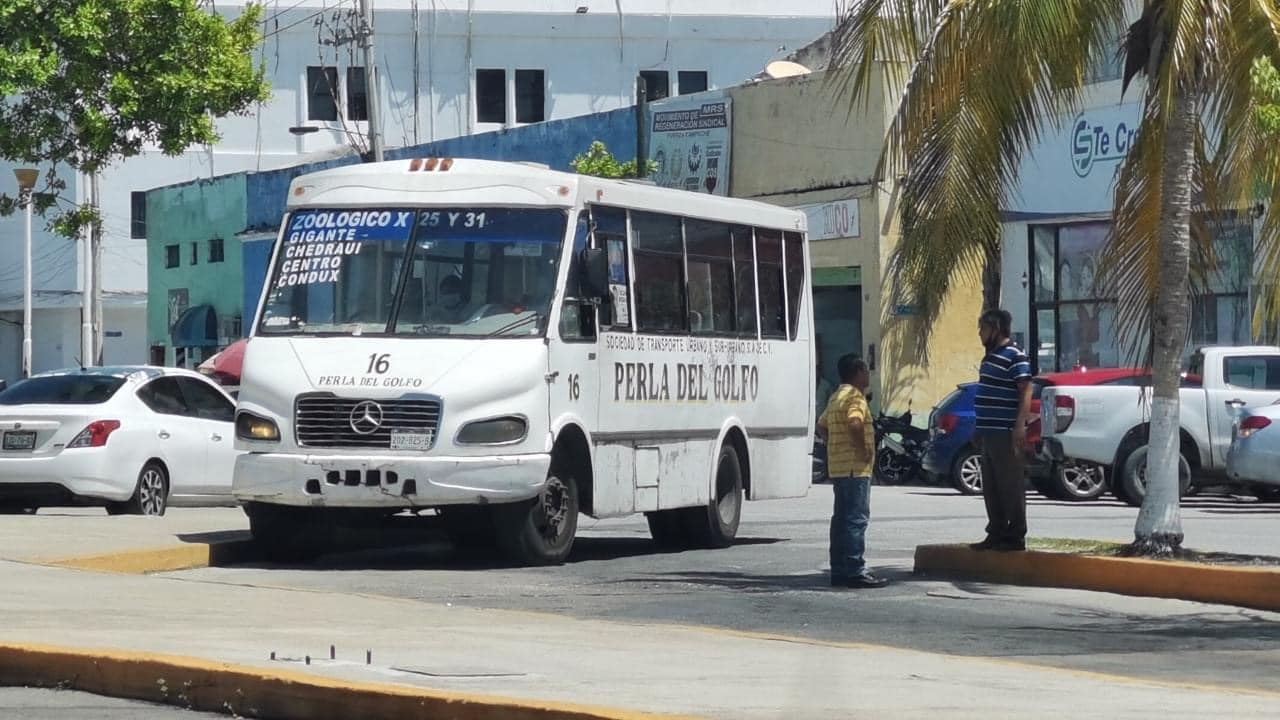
{"x": 39, "y": 704}
{"x": 774, "y": 581}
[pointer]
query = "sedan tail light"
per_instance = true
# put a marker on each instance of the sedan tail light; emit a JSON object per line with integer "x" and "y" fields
{"x": 95, "y": 435}
{"x": 1064, "y": 413}
{"x": 1253, "y": 424}
{"x": 948, "y": 422}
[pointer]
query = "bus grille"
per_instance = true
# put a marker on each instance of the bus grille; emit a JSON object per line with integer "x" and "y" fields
{"x": 325, "y": 421}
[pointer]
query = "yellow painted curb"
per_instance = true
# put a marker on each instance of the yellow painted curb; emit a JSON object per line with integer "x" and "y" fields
{"x": 169, "y": 559}
{"x": 1256, "y": 588}
{"x": 254, "y": 692}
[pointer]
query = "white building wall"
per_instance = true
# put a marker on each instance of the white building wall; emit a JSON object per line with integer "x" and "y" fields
{"x": 590, "y": 61}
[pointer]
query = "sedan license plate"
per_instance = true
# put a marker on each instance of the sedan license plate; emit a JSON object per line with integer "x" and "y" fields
{"x": 20, "y": 440}
{"x": 411, "y": 440}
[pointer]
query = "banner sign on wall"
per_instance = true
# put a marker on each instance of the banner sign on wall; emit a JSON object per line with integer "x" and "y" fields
{"x": 689, "y": 141}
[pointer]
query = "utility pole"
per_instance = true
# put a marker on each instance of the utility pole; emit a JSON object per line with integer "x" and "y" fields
{"x": 86, "y": 293}
{"x": 95, "y": 253}
{"x": 373, "y": 97}
{"x": 642, "y": 152}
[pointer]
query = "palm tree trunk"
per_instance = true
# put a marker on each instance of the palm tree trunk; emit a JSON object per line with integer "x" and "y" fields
{"x": 1159, "y": 526}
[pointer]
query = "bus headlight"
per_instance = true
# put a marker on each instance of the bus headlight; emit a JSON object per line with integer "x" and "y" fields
{"x": 497, "y": 431}
{"x": 252, "y": 427}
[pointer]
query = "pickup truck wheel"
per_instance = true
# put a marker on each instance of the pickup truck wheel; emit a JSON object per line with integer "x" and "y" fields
{"x": 1079, "y": 481}
{"x": 1132, "y": 487}
{"x": 966, "y": 476}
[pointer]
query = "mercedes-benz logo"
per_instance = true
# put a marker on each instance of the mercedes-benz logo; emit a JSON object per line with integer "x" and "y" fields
{"x": 366, "y": 417}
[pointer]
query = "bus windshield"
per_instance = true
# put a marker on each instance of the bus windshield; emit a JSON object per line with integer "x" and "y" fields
{"x": 445, "y": 271}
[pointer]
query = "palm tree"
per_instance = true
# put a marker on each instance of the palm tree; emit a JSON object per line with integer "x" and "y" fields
{"x": 981, "y": 79}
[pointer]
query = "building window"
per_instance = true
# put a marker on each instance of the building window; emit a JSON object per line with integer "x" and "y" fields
{"x": 172, "y": 256}
{"x": 322, "y": 93}
{"x": 195, "y": 253}
{"x": 657, "y": 84}
{"x": 692, "y": 81}
{"x": 137, "y": 214}
{"x": 531, "y": 93}
{"x": 1109, "y": 65}
{"x": 215, "y": 250}
{"x": 491, "y": 96}
{"x": 357, "y": 95}
{"x": 1073, "y": 321}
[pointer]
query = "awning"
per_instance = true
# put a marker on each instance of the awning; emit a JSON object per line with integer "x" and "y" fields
{"x": 196, "y": 327}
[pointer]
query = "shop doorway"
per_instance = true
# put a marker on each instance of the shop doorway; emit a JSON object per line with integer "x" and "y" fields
{"x": 837, "y": 316}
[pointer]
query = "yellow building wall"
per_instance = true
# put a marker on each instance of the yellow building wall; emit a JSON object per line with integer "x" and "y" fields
{"x": 921, "y": 364}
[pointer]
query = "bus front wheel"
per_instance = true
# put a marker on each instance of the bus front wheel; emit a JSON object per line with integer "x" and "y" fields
{"x": 540, "y": 531}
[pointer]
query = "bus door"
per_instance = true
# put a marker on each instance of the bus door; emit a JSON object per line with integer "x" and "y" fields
{"x": 573, "y": 360}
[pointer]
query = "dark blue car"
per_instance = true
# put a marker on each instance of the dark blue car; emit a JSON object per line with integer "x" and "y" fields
{"x": 951, "y": 456}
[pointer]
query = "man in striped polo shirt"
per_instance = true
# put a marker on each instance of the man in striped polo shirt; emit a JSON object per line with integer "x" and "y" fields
{"x": 1002, "y": 407}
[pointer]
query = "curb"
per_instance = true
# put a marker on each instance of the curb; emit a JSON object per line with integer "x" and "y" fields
{"x": 1245, "y": 587}
{"x": 168, "y": 559}
{"x": 254, "y": 692}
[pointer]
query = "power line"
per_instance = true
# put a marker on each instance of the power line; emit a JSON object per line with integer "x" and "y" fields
{"x": 312, "y": 16}
{"x": 291, "y": 8}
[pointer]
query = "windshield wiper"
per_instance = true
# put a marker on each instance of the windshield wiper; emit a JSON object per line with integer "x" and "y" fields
{"x": 517, "y": 324}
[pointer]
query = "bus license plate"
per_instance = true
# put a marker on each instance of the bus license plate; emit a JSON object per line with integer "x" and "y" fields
{"x": 20, "y": 440}
{"x": 410, "y": 440}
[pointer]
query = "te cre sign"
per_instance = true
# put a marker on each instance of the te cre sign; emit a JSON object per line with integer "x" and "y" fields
{"x": 685, "y": 382}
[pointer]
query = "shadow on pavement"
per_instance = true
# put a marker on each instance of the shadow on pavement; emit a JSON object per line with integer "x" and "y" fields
{"x": 439, "y": 554}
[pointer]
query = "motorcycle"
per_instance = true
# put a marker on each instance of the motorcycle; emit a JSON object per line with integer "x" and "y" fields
{"x": 900, "y": 449}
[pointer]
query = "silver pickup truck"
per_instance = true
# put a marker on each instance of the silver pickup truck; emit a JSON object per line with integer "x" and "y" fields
{"x": 1108, "y": 425}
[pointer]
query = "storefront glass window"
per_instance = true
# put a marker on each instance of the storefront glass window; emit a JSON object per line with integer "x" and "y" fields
{"x": 1043, "y": 238}
{"x": 1074, "y": 322}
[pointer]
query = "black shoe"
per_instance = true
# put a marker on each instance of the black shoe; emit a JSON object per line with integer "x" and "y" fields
{"x": 1010, "y": 546}
{"x": 865, "y": 580}
{"x": 838, "y": 582}
{"x": 988, "y": 544}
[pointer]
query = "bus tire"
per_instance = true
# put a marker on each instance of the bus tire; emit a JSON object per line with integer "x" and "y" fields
{"x": 716, "y": 525}
{"x": 540, "y": 531}
{"x": 285, "y": 534}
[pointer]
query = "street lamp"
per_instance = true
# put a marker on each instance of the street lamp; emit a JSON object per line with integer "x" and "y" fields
{"x": 26, "y": 182}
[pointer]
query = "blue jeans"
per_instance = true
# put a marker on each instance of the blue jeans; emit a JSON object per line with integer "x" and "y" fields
{"x": 849, "y": 525}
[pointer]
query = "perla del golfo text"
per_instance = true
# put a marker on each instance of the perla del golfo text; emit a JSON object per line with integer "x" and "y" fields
{"x": 684, "y": 382}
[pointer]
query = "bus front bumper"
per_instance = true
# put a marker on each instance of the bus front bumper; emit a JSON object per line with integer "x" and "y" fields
{"x": 393, "y": 481}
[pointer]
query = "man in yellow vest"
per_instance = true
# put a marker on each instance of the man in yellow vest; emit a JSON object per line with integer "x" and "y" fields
{"x": 851, "y": 450}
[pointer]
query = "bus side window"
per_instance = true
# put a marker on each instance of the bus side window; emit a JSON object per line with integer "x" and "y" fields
{"x": 773, "y": 321}
{"x": 577, "y": 319}
{"x": 794, "y": 249}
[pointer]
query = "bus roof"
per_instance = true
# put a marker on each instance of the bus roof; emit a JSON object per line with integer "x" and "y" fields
{"x": 466, "y": 181}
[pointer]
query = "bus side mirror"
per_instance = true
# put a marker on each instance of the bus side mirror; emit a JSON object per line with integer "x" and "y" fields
{"x": 595, "y": 273}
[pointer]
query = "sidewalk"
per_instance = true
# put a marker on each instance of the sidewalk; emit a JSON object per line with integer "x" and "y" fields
{"x": 655, "y": 668}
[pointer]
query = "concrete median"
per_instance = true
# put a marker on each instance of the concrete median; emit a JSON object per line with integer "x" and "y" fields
{"x": 1250, "y": 587}
{"x": 245, "y": 691}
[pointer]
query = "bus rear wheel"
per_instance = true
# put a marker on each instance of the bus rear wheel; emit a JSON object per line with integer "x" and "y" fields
{"x": 540, "y": 531}
{"x": 716, "y": 525}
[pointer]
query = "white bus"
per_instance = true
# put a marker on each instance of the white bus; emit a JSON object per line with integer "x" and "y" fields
{"x": 512, "y": 346}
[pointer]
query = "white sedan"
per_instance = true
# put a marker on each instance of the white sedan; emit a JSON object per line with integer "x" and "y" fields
{"x": 1255, "y": 450}
{"x": 128, "y": 438}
